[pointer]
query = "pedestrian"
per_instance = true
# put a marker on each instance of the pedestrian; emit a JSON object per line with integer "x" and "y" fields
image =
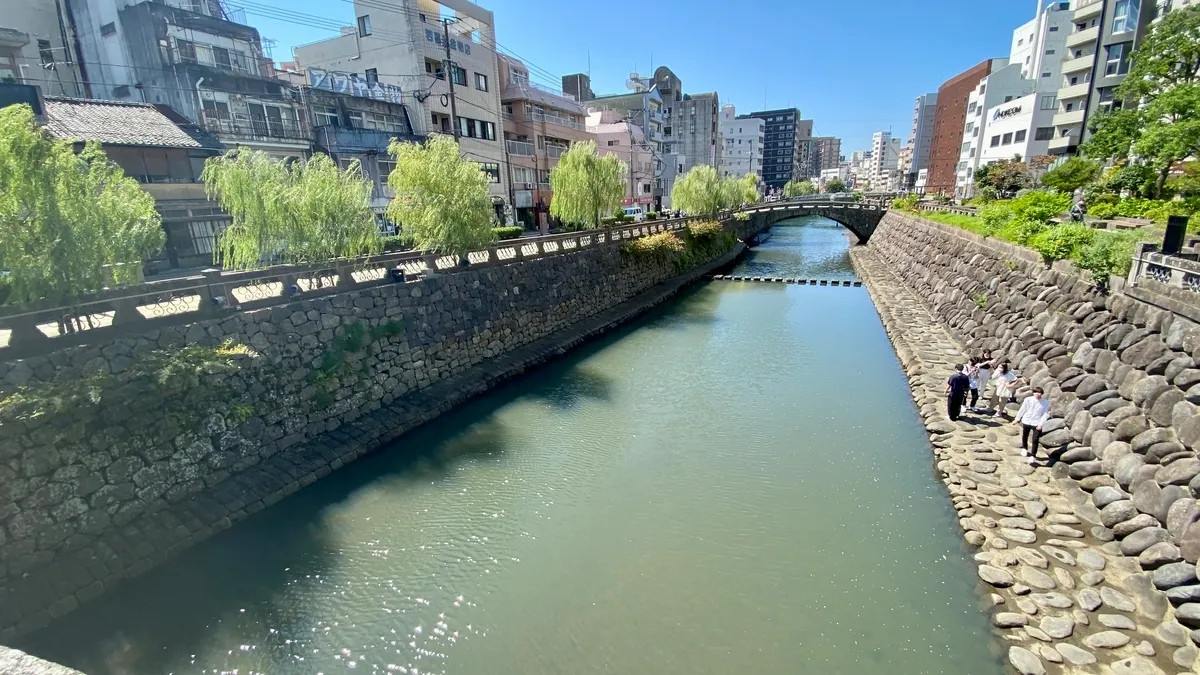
{"x": 956, "y": 392}
{"x": 1004, "y": 387}
{"x": 985, "y": 374}
{"x": 972, "y": 373}
{"x": 1032, "y": 414}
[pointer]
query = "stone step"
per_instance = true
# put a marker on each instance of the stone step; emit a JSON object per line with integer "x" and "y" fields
{"x": 787, "y": 280}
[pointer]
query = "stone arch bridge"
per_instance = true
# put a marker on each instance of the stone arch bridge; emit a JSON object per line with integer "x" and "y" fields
{"x": 861, "y": 218}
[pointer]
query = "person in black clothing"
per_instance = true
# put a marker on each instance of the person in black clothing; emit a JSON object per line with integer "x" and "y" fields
{"x": 956, "y": 392}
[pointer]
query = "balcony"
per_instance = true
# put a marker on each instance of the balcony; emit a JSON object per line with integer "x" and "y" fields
{"x": 246, "y": 128}
{"x": 556, "y": 151}
{"x": 337, "y": 139}
{"x": 1061, "y": 144}
{"x": 1066, "y": 119}
{"x": 1083, "y": 37}
{"x": 522, "y": 148}
{"x": 11, "y": 37}
{"x": 555, "y": 119}
{"x": 1074, "y": 91}
{"x": 229, "y": 61}
{"x": 1078, "y": 65}
{"x": 1086, "y": 9}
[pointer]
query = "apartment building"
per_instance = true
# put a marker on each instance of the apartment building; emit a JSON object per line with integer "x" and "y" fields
{"x": 1018, "y": 129}
{"x": 38, "y": 48}
{"x": 743, "y": 138}
{"x": 827, "y": 152}
{"x": 645, "y": 109}
{"x": 540, "y": 124}
{"x": 920, "y": 139}
{"x": 885, "y": 159}
{"x": 192, "y": 56}
{"x": 406, "y": 46}
{"x": 616, "y": 135}
{"x": 787, "y": 151}
{"x": 950, "y": 118}
{"x": 1002, "y": 86}
{"x": 1104, "y": 34}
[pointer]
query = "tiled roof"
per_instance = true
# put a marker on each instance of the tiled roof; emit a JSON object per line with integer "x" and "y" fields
{"x": 121, "y": 123}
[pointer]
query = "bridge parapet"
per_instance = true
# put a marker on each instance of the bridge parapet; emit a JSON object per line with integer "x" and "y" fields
{"x": 860, "y": 217}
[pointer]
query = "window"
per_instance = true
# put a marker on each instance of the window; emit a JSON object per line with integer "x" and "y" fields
{"x": 364, "y": 25}
{"x": 386, "y": 167}
{"x": 1049, "y": 52}
{"x": 970, "y": 125}
{"x": 1043, "y": 133}
{"x": 186, "y": 50}
{"x": 107, "y": 29}
{"x": 971, "y": 108}
{"x": 325, "y": 115}
{"x": 995, "y": 141}
{"x": 522, "y": 175}
{"x": 221, "y": 57}
{"x": 1116, "y": 58}
{"x": 1048, "y": 102}
{"x": 459, "y": 75}
{"x": 1007, "y": 139}
{"x": 45, "y": 51}
{"x": 1020, "y": 41}
{"x": 1046, "y": 74}
{"x": 965, "y": 147}
{"x": 492, "y": 170}
{"x": 1053, "y": 29}
{"x": 1020, "y": 136}
{"x": 481, "y": 82}
{"x": 1125, "y": 16}
{"x": 216, "y": 110}
{"x": 434, "y": 68}
{"x": 1007, "y": 99}
{"x": 372, "y": 75}
{"x": 962, "y": 165}
{"x": 645, "y": 188}
{"x": 1068, "y": 107}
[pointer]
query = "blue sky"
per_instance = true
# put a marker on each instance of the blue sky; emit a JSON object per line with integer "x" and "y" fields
{"x": 852, "y": 66}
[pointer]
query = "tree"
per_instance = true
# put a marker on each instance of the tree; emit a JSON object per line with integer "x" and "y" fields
{"x": 1072, "y": 174}
{"x": 1165, "y": 79}
{"x": 795, "y": 188}
{"x": 1038, "y": 164}
{"x": 1187, "y": 183}
{"x": 835, "y": 185}
{"x": 294, "y": 212}
{"x": 442, "y": 201}
{"x": 1138, "y": 179}
{"x": 748, "y": 186}
{"x": 700, "y": 193}
{"x": 586, "y": 185}
{"x": 69, "y": 222}
{"x": 1005, "y": 176}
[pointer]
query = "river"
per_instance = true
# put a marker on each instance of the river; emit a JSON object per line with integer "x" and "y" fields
{"x": 737, "y": 482}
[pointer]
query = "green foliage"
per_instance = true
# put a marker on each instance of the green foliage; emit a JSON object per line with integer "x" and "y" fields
{"x": 747, "y": 190}
{"x": 1160, "y": 211}
{"x": 986, "y": 195}
{"x": 1164, "y": 79}
{"x": 651, "y": 215}
{"x": 1138, "y": 179}
{"x": 835, "y": 185}
{"x": 906, "y": 203}
{"x": 699, "y": 242}
{"x": 795, "y": 188}
{"x": 1005, "y": 176}
{"x": 704, "y": 230}
{"x": 441, "y": 198}
{"x": 586, "y": 185}
{"x": 1040, "y": 207}
{"x": 994, "y": 217}
{"x": 1020, "y": 230}
{"x": 1134, "y": 207}
{"x": 1109, "y": 253}
{"x": 1187, "y": 183}
{"x": 663, "y": 245}
{"x": 1060, "y": 241}
{"x": 1103, "y": 211}
{"x": 161, "y": 394}
{"x": 510, "y": 232}
{"x": 701, "y": 193}
{"x": 69, "y": 223}
{"x": 1072, "y": 174}
{"x": 334, "y": 362}
{"x": 295, "y": 212}
{"x": 741, "y": 216}
{"x": 980, "y": 300}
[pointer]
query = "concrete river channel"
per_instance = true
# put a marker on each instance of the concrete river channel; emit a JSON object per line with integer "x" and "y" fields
{"x": 737, "y": 482}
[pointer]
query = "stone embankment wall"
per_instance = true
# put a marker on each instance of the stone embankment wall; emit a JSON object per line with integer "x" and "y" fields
{"x": 1124, "y": 384}
{"x": 80, "y": 514}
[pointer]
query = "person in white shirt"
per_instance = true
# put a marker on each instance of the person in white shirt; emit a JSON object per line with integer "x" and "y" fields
{"x": 1033, "y": 413}
{"x": 1004, "y": 388}
{"x": 985, "y": 375}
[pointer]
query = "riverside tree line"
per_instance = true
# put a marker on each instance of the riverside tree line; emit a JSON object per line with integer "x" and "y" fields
{"x": 73, "y": 222}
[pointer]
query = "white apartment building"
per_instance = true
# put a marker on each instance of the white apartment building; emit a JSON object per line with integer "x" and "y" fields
{"x": 743, "y": 139}
{"x": 1040, "y": 45}
{"x": 405, "y": 45}
{"x": 861, "y": 168}
{"x": 885, "y": 159}
{"x": 841, "y": 173}
{"x": 1002, "y": 86}
{"x": 1021, "y": 128}
{"x": 921, "y": 138}
{"x": 36, "y": 47}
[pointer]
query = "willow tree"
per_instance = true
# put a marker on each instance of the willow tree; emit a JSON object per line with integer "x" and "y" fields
{"x": 747, "y": 189}
{"x": 442, "y": 201}
{"x": 835, "y": 185}
{"x": 586, "y": 185}
{"x": 69, "y": 222}
{"x": 700, "y": 192}
{"x": 290, "y": 211}
{"x": 798, "y": 188}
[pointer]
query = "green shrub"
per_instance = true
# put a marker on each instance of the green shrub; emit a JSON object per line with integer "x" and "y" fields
{"x": 1133, "y": 207}
{"x": 993, "y": 217}
{"x": 704, "y": 229}
{"x": 395, "y": 243}
{"x": 1109, "y": 253}
{"x": 987, "y": 195}
{"x": 1020, "y": 231}
{"x": 609, "y": 221}
{"x": 664, "y": 245}
{"x": 1160, "y": 210}
{"x": 1058, "y": 242}
{"x": 907, "y": 203}
{"x": 651, "y": 215}
{"x": 1103, "y": 211}
{"x": 740, "y": 216}
{"x": 510, "y": 232}
{"x": 1039, "y": 207}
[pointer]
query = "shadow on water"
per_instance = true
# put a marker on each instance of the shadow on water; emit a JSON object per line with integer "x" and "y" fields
{"x": 147, "y": 624}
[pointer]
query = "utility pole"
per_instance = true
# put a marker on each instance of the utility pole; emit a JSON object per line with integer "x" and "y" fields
{"x": 450, "y": 76}
{"x": 632, "y": 191}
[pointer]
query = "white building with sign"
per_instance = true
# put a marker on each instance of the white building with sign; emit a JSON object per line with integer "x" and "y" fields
{"x": 1000, "y": 88}
{"x": 1021, "y": 128}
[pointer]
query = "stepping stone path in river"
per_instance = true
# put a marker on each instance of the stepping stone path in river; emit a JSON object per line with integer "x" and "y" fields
{"x": 1065, "y": 597}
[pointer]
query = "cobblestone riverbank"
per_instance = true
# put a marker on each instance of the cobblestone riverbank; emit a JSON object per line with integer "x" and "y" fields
{"x": 1063, "y": 596}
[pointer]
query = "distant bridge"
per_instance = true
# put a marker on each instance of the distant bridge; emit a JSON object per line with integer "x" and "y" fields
{"x": 861, "y": 218}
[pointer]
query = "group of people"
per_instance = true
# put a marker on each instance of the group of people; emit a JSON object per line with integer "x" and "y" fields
{"x": 976, "y": 376}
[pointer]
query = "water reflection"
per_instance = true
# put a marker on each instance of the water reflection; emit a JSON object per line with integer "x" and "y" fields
{"x": 810, "y": 247}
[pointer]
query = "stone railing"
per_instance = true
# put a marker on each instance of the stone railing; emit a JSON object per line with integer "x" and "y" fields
{"x": 32, "y": 329}
{"x": 1171, "y": 282}
{"x": 946, "y": 208}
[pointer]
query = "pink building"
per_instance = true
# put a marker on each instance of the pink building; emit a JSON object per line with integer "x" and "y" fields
{"x": 615, "y": 136}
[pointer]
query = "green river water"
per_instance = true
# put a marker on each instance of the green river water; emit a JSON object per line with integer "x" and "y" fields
{"x": 738, "y": 482}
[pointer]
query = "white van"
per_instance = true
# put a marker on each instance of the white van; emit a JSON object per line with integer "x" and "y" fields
{"x": 636, "y": 213}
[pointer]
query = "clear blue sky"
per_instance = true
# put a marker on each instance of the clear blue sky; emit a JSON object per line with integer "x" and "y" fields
{"x": 852, "y": 66}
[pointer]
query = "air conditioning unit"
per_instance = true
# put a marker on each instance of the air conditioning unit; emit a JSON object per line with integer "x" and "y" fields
{"x": 529, "y": 186}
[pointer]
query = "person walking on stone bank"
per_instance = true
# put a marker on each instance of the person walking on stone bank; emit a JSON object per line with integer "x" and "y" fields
{"x": 1034, "y": 412}
{"x": 956, "y": 392}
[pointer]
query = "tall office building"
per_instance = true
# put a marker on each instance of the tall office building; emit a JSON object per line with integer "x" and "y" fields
{"x": 787, "y": 151}
{"x": 920, "y": 138}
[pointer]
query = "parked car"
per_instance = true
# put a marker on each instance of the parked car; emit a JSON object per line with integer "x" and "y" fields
{"x": 636, "y": 213}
